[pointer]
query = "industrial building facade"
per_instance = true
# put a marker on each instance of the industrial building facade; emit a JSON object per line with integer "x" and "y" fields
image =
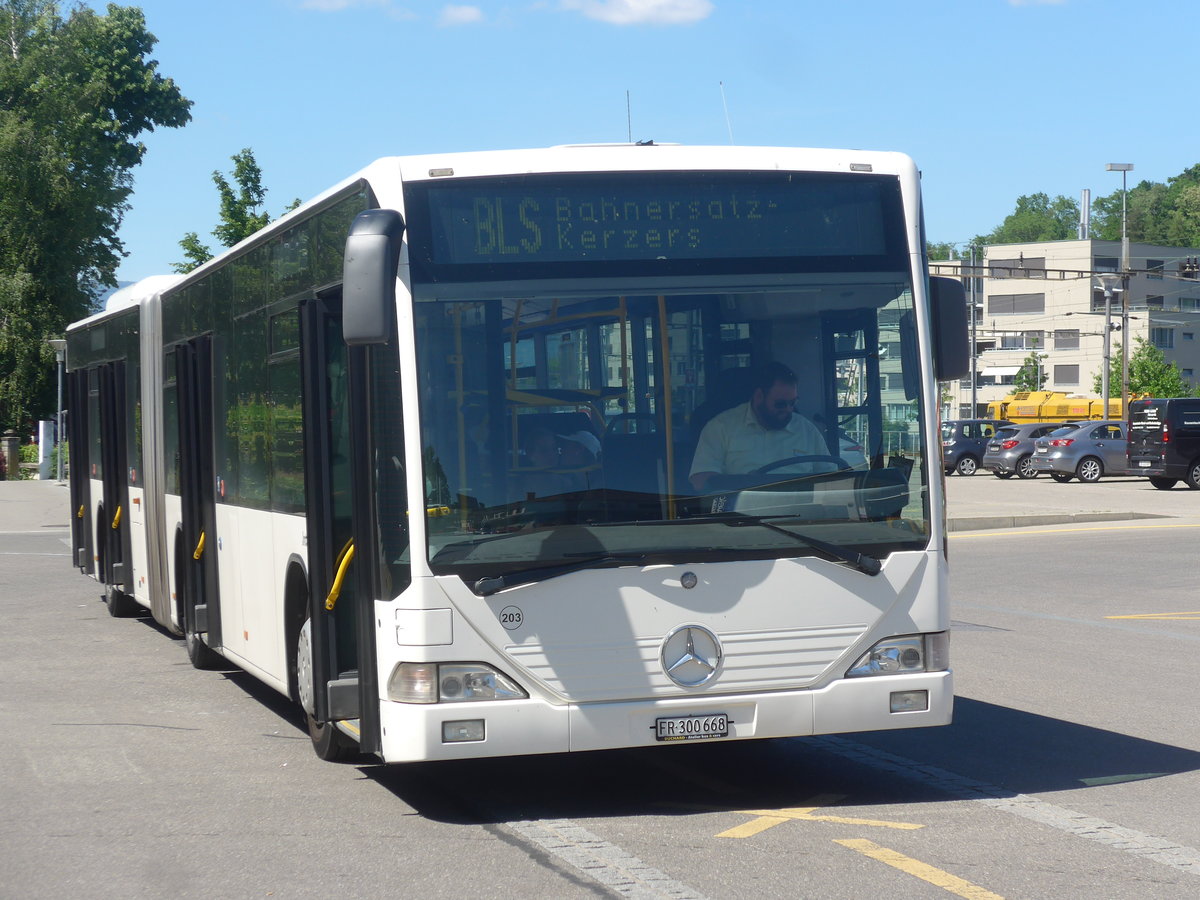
{"x": 1047, "y": 298}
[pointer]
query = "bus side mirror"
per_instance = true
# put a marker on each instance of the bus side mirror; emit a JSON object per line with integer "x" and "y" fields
{"x": 951, "y": 350}
{"x": 369, "y": 276}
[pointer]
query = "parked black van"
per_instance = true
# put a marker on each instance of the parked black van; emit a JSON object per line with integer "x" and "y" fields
{"x": 1164, "y": 441}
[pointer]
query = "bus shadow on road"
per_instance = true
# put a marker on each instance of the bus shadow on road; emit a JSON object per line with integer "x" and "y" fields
{"x": 1018, "y": 752}
{"x": 990, "y": 750}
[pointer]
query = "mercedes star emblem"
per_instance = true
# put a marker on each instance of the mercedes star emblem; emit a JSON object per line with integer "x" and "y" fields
{"x": 691, "y": 655}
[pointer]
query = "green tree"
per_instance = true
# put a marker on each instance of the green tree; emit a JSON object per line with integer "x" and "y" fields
{"x": 1149, "y": 373}
{"x": 939, "y": 250}
{"x": 75, "y": 95}
{"x": 241, "y": 213}
{"x": 1037, "y": 217}
{"x": 1032, "y": 375}
{"x": 1156, "y": 213}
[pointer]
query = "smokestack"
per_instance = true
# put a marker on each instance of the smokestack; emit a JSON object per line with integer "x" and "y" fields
{"x": 1085, "y": 215}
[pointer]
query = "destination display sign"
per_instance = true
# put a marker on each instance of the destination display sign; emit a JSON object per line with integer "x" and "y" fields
{"x": 651, "y": 218}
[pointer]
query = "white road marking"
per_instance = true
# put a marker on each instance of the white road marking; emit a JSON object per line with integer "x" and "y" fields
{"x": 604, "y": 862}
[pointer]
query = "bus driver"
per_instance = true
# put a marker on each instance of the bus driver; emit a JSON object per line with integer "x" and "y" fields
{"x": 763, "y": 430}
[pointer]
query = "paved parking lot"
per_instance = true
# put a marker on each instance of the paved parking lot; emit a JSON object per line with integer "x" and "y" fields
{"x": 983, "y": 501}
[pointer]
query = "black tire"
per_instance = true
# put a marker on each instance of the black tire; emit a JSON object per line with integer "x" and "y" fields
{"x": 1003, "y": 476}
{"x": 967, "y": 465}
{"x": 1163, "y": 483}
{"x": 201, "y": 655}
{"x": 1025, "y": 467}
{"x": 1089, "y": 470}
{"x": 328, "y": 742}
{"x": 1061, "y": 477}
{"x": 120, "y": 605}
{"x": 1192, "y": 478}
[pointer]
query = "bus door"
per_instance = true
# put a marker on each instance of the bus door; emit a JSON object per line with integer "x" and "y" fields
{"x": 357, "y": 511}
{"x": 114, "y": 537}
{"x": 197, "y": 574}
{"x": 334, "y": 614}
{"x": 80, "y": 478}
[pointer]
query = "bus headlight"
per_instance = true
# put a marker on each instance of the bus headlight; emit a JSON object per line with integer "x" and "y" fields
{"x": 450, "y": 683}
{"x": 905, "y": 654}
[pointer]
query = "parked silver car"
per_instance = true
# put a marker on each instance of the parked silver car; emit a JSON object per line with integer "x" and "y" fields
{"x": 1010, "y": 450}
{"x": 1084, "y": 450}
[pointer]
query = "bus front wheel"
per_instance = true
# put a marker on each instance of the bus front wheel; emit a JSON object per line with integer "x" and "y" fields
{"x": 328, "y": 742}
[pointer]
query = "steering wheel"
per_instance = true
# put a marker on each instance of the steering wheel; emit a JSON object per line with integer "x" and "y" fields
{"x": 805, "y": 458}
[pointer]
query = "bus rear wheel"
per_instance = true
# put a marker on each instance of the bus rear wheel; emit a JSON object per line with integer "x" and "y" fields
{"x": 328, "y": 741}
{"x": 120, "y": 605}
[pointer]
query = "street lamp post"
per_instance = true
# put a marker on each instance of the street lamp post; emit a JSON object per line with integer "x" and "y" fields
{"x": 1123, "y": 168}
{"x": 60, "y": 352}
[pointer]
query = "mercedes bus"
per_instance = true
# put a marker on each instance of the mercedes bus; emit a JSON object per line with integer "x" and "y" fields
{"x": 419, "y": 454}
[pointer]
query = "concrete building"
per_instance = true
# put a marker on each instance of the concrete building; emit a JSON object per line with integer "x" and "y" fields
{"x": 1046, "y": 298}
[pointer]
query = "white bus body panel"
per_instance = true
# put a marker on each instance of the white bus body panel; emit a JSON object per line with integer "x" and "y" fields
{"x": 588, "y": 652}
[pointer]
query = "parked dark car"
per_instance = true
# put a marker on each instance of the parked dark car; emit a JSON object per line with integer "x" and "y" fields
{"x": 964, "y": 441}
{"x": 1010, "y": 451}
{"x": 1085, "y": 450}
{"x": 1164, "y": 441}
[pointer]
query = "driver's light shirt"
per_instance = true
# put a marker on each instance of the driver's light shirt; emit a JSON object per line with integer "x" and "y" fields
{"x": 735, "y": 443}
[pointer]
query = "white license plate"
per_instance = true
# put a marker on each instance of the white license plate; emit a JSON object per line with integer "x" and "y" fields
{"x": 1144, "y": 463}
{"x": 691, "y": 728}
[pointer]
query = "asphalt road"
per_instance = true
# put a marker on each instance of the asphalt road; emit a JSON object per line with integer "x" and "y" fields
{"x": 1071, "y": 769}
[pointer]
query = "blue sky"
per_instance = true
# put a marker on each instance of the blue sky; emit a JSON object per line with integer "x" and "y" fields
{"x": 992, "y": 98}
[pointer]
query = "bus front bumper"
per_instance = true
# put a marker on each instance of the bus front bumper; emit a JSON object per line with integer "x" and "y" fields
{"x": 415, "y": 732}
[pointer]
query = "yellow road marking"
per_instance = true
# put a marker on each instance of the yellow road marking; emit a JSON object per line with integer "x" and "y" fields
{"x": 1020, "y": 531}
{"x": 918, "y": 869}
{"x": 769, "y": 818}
{"x": 1195, "y": 614}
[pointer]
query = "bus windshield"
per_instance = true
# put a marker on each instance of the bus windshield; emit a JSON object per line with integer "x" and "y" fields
{"x": 664, "y": 367}
{"x": 555, "y": 431}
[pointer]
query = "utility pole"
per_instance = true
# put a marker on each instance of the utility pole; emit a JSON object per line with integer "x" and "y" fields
{"x": 1124, "y": 169}
{"x": 973, "y": 284}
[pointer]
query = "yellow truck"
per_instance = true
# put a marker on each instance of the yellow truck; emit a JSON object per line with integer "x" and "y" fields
{"x": 1055, "y": 406}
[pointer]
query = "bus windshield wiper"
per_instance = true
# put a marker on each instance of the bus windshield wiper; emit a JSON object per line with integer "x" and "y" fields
{"x": 861, "y": 561}
{"x": 490, "y": 584}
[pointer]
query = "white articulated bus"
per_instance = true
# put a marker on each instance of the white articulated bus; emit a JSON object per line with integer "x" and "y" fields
{"x": 423, "y": 454}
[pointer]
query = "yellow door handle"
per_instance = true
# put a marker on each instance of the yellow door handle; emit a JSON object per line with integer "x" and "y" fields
{"x": 79, "y": 515}
{"x": 199, "y": 552}
{"x": 117, "y": 519}
{"x": 336, "y": 591}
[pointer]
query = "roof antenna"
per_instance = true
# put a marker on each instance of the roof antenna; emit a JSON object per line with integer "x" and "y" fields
{"x": 628, "y": 117}
{"x": 728, "y": 124}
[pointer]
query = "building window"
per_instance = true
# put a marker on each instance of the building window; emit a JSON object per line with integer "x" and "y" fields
{"x": 1067, "y": 339}
{"x": 1186, "y": 373}
{"x": 1066, "y": 374}
{"x": 1163, "y": 338}
{"x": 1033, "y": 267}
{"x": 1104, "y": 263}
{"x": 1022, "y": 340}
{"x": 1189, "y": 303}
{"x": 1148, "y": 303}
{"x": 1155, "y": 267}
{"x": 1189, "y": 335}
{"x": 1016, "y": 304}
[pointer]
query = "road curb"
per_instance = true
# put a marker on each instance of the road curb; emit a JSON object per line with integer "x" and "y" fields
{"x": 988, "y": 523}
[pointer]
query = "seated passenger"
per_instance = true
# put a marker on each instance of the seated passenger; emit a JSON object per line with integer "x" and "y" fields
{"x": 764, "y": 429}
